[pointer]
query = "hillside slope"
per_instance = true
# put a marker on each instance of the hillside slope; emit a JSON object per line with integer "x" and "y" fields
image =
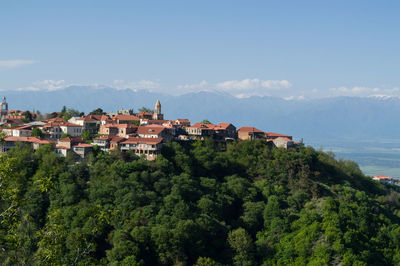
{"x": 250, "y": 205}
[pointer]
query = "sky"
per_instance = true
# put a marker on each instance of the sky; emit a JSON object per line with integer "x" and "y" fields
{"x": 290, "y": 49}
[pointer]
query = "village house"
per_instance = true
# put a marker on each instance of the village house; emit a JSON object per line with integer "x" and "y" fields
{"x": 183, "y": 122}
{"x": 121, "y": 112}
{"x": 121, "y": 130}
{"x": 22, "y": 131}
{"x": 154, "y": 131}
{"x": 103, "y": 142}
{"x": 82, "y": 149}
{"x": 54, "y": 130}
{"x": 201, "y": 130}
{"x": 90, "y": 123}
{"x": 385, "y": 179}
{"x": 223, "y": 131}
{"x": 74, "y": 144}
{"x": 145, "y": 115}
{"x": 69, "y": 141}
{"x": 10, "y": 142}
{"x": 250, "y": 133}
{"x": 65, "y": 144}
{"x": 150, "y": 147}
{"x": 270, "y": 135}
{"x": 126, "y": 119}
{"x": 283, "y": 142}
{"x": 114, "y": 142}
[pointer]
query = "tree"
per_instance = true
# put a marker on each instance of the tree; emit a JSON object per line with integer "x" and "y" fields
{"x": 205, "y": 121}
{"x": 145, "y": 109}
{"x": 97, "y": 111}
{"x": 87, "y": 136}
{"x": 241, "y": 242}
{"x": 67, "y": 113}
{"x": 28, "y": 117}
{"x": 37, "y": 132}
{"x": 64, "y": 135}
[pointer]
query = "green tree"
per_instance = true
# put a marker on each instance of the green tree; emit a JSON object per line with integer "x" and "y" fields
{"x": 97, "y": 111}
{"x": 145, "y": 109}
{"x": 242, "y": 244}
{"x": 64, "y": 135}
{"x": 37, "y": 132}
{"x": 28, "y": 117}
{"x": 87, "y": 136}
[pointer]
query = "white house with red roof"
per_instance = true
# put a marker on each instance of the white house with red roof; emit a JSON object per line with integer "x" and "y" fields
{"x": 183, "y": 122}
{"x": 201, "y": 130}
{"x": 54, "y": 130}
{"x": 150, "y": 147}
{"x": 91, "y": 123}
{"x": 9, "y": 142}
{"x": 82, "y": 149}
{"x": 271, "y": 135}
{"x": 385, "y": 179}
{"x": 283, "y": 142}
{"x": 153, "y": 131}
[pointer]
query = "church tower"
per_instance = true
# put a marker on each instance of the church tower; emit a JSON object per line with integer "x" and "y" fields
{"x": 3, "y": 110}
{"x": 157, "y": 115}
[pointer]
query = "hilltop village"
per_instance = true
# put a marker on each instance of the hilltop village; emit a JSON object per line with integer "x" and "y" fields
{"x": 144, "y": 132}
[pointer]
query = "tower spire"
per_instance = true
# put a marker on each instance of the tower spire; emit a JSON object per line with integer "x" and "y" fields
{"x": 157, "y": 115}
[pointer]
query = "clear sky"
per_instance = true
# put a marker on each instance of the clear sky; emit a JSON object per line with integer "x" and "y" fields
{"x": 280, "y": 48}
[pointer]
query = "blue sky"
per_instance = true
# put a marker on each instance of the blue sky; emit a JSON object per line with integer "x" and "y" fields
{"x": 291, "y": 49}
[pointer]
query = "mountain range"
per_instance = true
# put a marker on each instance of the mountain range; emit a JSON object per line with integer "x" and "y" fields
{"x": 309, "y": 119}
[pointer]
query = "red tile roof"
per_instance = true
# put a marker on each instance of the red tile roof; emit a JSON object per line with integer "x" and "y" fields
{"x": 136, "y": 140}
{"x": 120, "y": 125}
{"x": 117, "y": 139}
{"x": 104, "y": 137}
{"x": 22, "y": 139}
{"x": 144, "y": 113}
{"x": 28, "y": 139}
{"x": 55, "y": 119}
{"x": 62, "y": 148}
{"x": 271, "y": 134}
{"x": 382, "y": 177}
{"x": 284, "y": 139}
{"x": 69, "y": 139}
{"x": 83, "y": 145}
{"x": 60, "y": 124}
{"x": 126, "y": 118}
{"x": 203, "y": 126}
{"x": 152, "y": 130}
{"x": 250, "y": 129}
{"x": 183, "y": 120}
{"x": 224, "y": 125}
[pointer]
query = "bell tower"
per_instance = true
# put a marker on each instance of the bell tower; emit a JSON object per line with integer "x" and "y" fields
{"x": 3, "y": 110}
{"x": 157, "y": 115}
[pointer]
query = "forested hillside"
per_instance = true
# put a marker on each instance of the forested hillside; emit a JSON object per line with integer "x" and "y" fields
{"x": 249, "y": 205}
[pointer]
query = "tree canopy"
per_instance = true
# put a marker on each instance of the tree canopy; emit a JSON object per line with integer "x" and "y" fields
{"x": 250, "y": 204}
{"x": 37, "y": 132}
{"x": 145, "y": 109}
{"x": 67, "y": 113}
{"x": 97, "y": 111}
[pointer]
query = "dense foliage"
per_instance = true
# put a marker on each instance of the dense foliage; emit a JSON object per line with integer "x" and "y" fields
{"x": 249, "y": 205}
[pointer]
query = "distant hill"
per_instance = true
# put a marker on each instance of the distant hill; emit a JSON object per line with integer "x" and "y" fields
{"x": 317, "y": 119}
